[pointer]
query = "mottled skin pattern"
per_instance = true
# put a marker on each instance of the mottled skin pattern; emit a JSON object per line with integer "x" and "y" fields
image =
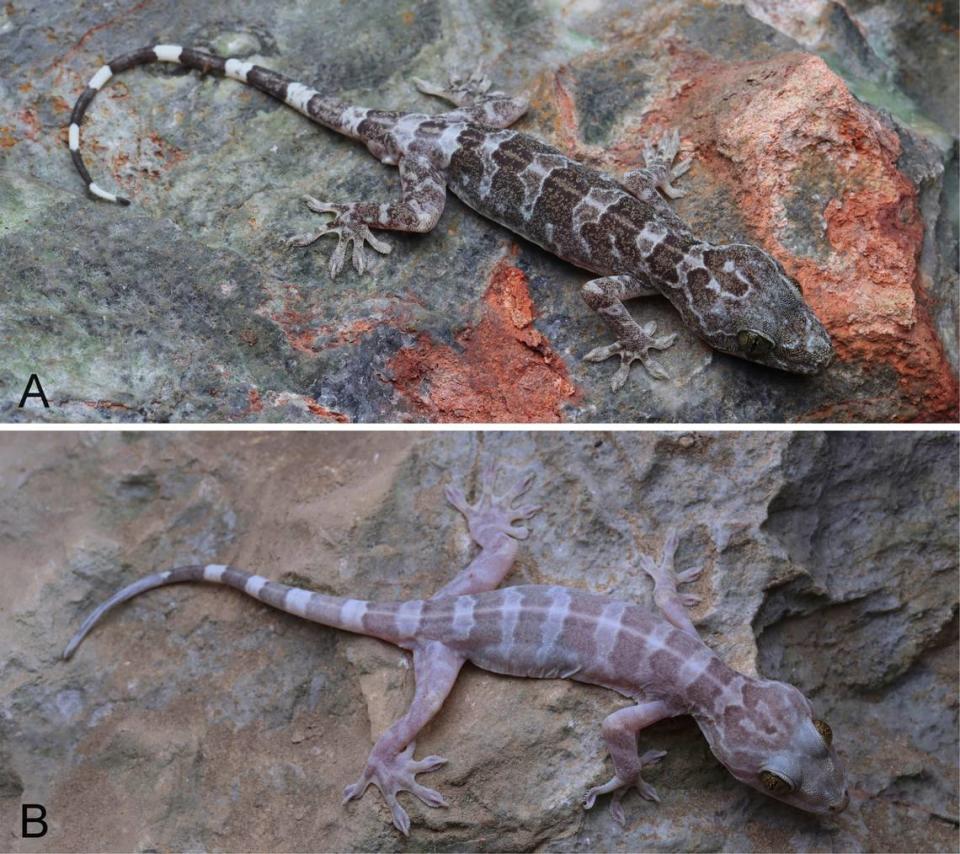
{"x": 764, "y": 732}
{"x": 736, "y": 297}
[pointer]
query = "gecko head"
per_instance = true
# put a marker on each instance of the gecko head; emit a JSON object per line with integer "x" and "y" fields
{"x": 748, "y": 306}
{"x": 772, "y": 741}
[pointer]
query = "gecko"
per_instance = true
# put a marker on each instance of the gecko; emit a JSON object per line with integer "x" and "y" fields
{"x": 736, "y": 297}
{"x": 764, "y": 732}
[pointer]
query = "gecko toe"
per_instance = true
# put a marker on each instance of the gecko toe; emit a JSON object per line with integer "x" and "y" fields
{"x": 616, "y": 809}
{"x": 430, "y": 797}
{"x": 401, "y": 821}
{"x": 601, "y": 354}
{"x": 647, "y": 792}
{"x": 430, "y": 763}
{"x": 652, "y": 757}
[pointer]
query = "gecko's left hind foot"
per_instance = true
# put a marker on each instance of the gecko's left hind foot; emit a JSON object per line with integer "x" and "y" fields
{"x": 474, "y": 98}
{"x": 494, "y": 514}
{"x": 395, "y": 775}
{"x": 636, "y": 349}
{"x": 620, "y": 787}
{"x": 459, "y": 90}
{"x": 351, "y": 233}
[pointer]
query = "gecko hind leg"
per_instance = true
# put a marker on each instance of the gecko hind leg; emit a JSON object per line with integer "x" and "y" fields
{"x": 351, "y": 234}
{"x": 672, "y": 603}
{"x": 476, "y": 102}
{"x": 634, "y": 342}
{"x": 491, "y": 522}
{"x": 423, "y": 192}
{"x": 659, "y": 171}
{"x": 491, "y": 514}
{"x": 391, "y": 766}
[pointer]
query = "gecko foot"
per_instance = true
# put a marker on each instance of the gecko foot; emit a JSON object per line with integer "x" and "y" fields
{"x": 350, "y": 233}
{"x": 620, "y": 787}
{"x": 659, "y": 164}
{"x": 637, "y": 348}
{"x": 459, "y": 91}
{"x": 662, "y": 572}
{"x": 395, "y": 775}
{"x": 494, "y": 514}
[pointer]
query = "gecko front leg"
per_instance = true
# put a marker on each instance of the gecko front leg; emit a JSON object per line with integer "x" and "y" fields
{"x": 423, "y": 192}
{"x": 391, "y": 766}
{"x": 620, "y": 734}
{"x": 634, "y": 342}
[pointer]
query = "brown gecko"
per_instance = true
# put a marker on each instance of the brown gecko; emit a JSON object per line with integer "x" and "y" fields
{"x": 736, "y": 297}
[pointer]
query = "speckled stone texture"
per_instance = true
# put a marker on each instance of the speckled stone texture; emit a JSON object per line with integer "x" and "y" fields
{"x": 186, "y": 306}
{"x": 197, "y": 719}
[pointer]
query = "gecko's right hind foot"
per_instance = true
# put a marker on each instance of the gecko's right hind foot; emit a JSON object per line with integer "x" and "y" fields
{"x": 494, "y": 514}
{"x": 395, "y": 775}
{"x": 351, "y": 233}
{"x": 637, "y": 349}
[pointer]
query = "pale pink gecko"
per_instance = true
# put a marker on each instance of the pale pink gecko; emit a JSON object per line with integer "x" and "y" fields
{"x": 763, "y": 731}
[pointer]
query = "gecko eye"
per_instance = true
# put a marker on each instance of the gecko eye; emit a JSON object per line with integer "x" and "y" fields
{"x": 826, "y": 733}
{"x": 774, "y": 783}
{"x": 754, "y": 343}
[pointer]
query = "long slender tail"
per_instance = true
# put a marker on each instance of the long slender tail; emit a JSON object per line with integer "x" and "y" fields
{"x": 328, "y": 111}
{"x": 352, "y": 615}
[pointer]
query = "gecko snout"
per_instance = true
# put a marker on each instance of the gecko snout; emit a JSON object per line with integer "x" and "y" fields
{"x": 840, "y": 805}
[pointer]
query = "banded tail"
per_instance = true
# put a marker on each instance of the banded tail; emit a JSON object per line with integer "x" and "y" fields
{"x": 331, "y": 112}
{"x": 352, "y": 615}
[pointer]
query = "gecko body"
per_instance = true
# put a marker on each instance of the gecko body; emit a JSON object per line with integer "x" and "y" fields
{"x": 736, "y": 297}
{"x": 763, "y": 731}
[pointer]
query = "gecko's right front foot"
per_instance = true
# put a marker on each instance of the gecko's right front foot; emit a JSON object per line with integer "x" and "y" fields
{"x": 492, "y": 514}
{"x": 635, "y": 348}
{"x": 350, "y": 232}
{"x": 620, "y": 787}
{"x": 395, "y": 775}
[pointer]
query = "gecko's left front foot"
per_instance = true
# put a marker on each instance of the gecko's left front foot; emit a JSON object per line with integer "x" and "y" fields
{"x": 659, "y": 169}
{"x": 620, "y": 787}
{"x": 492, "y": 514}
{"x": 350, "y": 232}
{"x": 635, "y": 347}
{"x": 394, "y": 775}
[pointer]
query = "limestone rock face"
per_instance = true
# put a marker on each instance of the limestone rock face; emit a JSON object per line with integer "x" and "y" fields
{"x": 195, "y": 718}
{"x": 825, "y": 133}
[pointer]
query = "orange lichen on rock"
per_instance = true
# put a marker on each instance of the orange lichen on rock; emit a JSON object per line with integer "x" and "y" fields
{"x": 506, "y": 370}
{"x": 782, "y": 129}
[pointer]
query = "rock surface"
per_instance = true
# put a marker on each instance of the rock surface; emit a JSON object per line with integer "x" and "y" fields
{"x": 197, "y": 719}
{"x": 186, "y": 307}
